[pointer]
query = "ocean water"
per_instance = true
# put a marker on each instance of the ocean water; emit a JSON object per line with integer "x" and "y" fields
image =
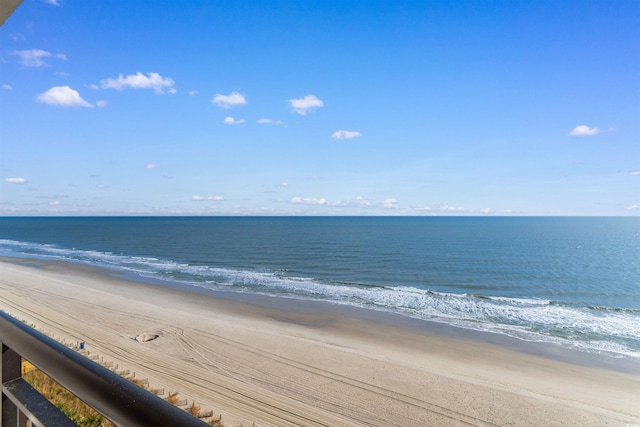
{"x": 573, "y": 281}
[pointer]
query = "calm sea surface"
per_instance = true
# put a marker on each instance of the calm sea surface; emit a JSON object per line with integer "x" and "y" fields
{"x": 574, "y": 281}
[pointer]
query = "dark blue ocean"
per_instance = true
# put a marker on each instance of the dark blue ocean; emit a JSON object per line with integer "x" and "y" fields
{"x": 573, "y": 281}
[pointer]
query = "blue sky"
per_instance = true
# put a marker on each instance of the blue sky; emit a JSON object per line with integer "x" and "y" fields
{"x": 320, "y": 108}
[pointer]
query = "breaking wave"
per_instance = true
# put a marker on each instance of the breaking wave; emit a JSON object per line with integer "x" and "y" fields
{"x": 587, "y": 328}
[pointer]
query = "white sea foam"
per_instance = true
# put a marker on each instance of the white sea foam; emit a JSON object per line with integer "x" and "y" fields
{"x": 585, "y": 328}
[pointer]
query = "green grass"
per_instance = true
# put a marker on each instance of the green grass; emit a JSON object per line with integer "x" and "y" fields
{"x": 74, "y": 408}
{"x": 81, "y": 413}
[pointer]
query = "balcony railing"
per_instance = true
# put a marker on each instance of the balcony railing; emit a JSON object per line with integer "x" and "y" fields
{"x": 119, "y": 400}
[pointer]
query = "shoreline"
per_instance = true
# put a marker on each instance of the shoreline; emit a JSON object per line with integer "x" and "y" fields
{"x": 304, "y": 358}
{"x": 555, "y": 351}
{"x": 548, "y": 350}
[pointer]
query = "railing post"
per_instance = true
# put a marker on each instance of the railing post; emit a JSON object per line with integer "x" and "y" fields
{"x": 11, "y": 368}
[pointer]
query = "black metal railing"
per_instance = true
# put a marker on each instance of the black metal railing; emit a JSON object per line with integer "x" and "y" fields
{"x": 119, "y": 400}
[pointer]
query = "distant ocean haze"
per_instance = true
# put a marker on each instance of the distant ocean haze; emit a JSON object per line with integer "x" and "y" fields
{"x": 569, "y": 280}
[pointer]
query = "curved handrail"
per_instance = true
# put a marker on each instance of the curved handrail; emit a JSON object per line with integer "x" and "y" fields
{"x": 121, "y": 401}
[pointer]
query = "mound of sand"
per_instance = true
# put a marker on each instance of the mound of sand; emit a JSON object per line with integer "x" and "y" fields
{"x": 146, "y": 337}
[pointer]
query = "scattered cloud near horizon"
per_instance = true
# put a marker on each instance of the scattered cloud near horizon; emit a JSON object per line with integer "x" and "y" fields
{"x": 139, "y": 81}
{"x": 584, "y": 130}
{"x": 362, "y": 202}
{"x": 356, "y": 202}
{"x": 441, "y": 208}
{"x": 306, "y": 103}
{"x": 309, "y": 201}
{"x": 62, "y": 96}
{"x": 33, "y": 57}
{"x": 198, "y": 198}
{"x": 390, "y": 203}
{"x": 234, "y": 99}
{"x": 345, "y": 134}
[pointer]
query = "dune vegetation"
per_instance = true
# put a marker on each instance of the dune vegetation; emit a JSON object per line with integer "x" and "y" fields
{"x": 74, "y": 408}
{"x": 81, "y": 413}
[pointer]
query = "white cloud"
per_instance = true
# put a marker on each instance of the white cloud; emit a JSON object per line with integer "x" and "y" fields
{"x": 486, "y": 210}
{"x": 33, "y": 57}
{"x": 390, "y": 203}
{"x": 584, "y": 130}
{"x": 441, "y": 208}
{"x": 362, "y": 202}
{"x": 309, "y": 201}
{"x": 345, "y": 134}
{"x": 232, "y": 121}
{"x": 635, "y": 172}
{"x": 227, "y": 101}
{"x": 632, "y": 208}
{"x": 7, "y": 87}
{"x": 306, "y": 103}
{"x": 198, "y": 198}
{"x": 16, "y": 36}
{"x": 63, "y": 96}
{"x": 452, "y": 208}
{"x": 101, "y": 103}
{"x": 357, "y": 202}
{"x": 139, "y": 81}
{"x": 54, "y": 196}
{"x": 172, "y": 91}
{"x": 284, "y": 184}
{"x": 53, "y": 2}
{"x": 151, "y": 166}
{"x": 269, "y": 122}
{"x": 193, "y": 92}
{"x": 16, "y": 180}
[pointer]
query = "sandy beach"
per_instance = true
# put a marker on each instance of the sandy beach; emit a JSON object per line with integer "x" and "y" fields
{"x": 290, "y": 364}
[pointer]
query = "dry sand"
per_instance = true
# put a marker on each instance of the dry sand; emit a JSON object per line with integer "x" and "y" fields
{"x": 274, "y": 367}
